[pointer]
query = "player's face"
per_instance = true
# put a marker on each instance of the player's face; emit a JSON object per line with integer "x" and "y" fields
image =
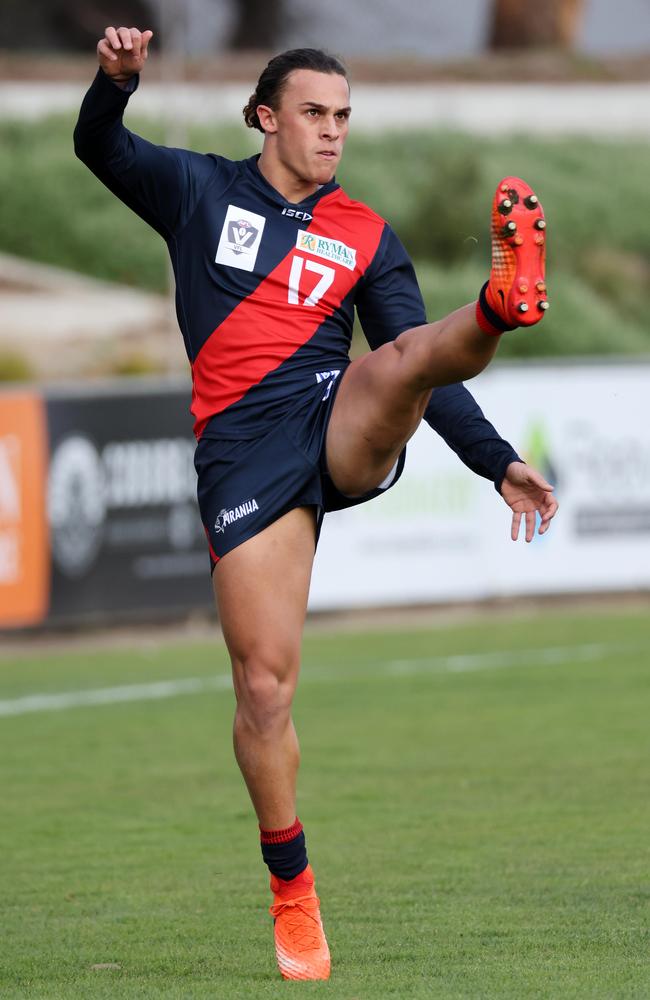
{"x": 311, "y": 124}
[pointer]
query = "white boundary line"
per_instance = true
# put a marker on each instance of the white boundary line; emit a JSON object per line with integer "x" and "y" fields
{"x": 456, "y": 664}
{"x": 113, "y": 695}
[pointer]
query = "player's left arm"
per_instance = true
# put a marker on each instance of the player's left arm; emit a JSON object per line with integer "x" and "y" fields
{"x": 388, "y": 302}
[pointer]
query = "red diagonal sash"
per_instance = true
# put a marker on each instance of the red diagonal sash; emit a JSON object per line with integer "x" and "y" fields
{"x": 267, "y": 328}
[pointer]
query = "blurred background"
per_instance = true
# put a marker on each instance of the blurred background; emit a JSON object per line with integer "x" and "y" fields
{"x": 473, "y": 713}
{"x": 444, "y": 103}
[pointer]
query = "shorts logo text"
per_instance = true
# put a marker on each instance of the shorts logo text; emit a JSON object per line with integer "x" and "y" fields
{"x": 226, "y": 517}
{"x": 332, "y": 250}
{"x": 324, "y": 377}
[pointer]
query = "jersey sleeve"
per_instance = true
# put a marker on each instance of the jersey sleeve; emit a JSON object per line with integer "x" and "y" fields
{"x": 456, "y": 416}
{"x": 388, "y": 299}
{"x": 389, "y": 302}
{"x": 162, "y": 185}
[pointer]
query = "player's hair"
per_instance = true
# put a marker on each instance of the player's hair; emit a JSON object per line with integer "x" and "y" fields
{"x": 274, "y": 78}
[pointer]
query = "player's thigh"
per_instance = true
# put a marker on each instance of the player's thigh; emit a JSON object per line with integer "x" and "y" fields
{"x": 378, "y": 407}
{"x": 261, "y": 589}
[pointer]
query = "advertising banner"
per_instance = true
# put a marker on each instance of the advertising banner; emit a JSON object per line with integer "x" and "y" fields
{"x": 443, "y": 533}
{"x": 24, "y": 556}
{"x": 98, "y": 512}
{"x": 125, "y": 531}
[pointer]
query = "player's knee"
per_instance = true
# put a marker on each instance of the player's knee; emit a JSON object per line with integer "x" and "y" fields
{"x": 413, "y": 359}
{"x": 265, "y": 687}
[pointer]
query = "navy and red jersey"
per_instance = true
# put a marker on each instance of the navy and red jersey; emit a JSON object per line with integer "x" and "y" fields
{"x": 266, "y": 290}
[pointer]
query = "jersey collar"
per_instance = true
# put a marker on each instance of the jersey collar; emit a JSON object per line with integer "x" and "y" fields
{"x": 260, "y": 181}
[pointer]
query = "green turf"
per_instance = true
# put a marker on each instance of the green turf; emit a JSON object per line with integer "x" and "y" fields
{"x": 479, "y": 826}
{"x": 434, "y": 187}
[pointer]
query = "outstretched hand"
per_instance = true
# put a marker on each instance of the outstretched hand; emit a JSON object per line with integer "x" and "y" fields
{"x": 527, "y": 494}
{"x": 122, "y": 52}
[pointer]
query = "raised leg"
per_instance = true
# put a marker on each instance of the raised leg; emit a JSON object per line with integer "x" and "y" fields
{"x": 383, "y": 395}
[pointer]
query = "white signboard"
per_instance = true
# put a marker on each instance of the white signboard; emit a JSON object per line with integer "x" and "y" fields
{"x": 443, "y": 533}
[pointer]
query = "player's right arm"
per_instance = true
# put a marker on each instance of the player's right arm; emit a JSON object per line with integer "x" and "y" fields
{"x": 162, "y": 185}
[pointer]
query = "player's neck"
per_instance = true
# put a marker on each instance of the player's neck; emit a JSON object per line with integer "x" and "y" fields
{"x": 292, "y": 187}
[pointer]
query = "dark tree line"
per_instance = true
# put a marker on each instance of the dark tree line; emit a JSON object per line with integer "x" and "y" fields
{"x": 77, "y": 24}
{"x": 73, "y": 25}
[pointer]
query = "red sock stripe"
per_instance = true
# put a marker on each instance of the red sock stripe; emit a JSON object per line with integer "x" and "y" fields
{"x": 281, "y": 836}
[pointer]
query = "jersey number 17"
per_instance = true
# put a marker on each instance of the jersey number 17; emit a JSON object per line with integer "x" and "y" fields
{"x": 327, "y": 275}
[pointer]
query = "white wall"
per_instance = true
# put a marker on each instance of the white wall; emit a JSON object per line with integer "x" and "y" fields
{"x": 442, "y": 533}
{"x": 433, "y": 29}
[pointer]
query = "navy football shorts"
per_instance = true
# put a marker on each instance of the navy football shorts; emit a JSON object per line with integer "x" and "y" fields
{"x": 243, "y": 486}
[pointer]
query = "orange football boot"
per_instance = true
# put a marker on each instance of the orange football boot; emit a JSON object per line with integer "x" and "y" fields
{"x": 516, "y": 291}
{"x": 300, "y": 944}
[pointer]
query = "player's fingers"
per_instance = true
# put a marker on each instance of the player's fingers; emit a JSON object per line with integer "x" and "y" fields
{"x": 136, "y": 41}
{"x": 531, "y": 518}
{"x": 125, "y": 38}
{"x": 113, "y": 38}
{"x": 551, "y": 509}
{"x": 104, "y": 51}
{"x": 514, "y": 530}
{"x": 548, "y": 514}
{"x": 146, "y": 38}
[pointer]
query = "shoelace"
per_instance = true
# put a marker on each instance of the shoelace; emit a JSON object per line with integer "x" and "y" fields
{"x": 302, "y": 935}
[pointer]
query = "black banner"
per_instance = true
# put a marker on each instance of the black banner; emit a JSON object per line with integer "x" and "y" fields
{"x": 125, "y": 532}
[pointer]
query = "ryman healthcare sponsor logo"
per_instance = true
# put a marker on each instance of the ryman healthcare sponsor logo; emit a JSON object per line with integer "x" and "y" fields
{"x": 226, "y": 517}
{"x": 332, "y": 250}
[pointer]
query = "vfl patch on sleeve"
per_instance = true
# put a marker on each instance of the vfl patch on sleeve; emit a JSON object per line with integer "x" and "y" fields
{"x": 240, "y": 238}
{"x": 329, "y": 249}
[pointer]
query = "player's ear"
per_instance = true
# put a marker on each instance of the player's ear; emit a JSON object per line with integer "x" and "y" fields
{"x": 267, "y": 118}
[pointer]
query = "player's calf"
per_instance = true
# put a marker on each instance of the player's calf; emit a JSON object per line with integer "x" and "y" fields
{"x": 515, "y": 294}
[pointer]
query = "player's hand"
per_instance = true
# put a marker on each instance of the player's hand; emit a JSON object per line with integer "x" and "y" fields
{"x": 122, "y": 52}
{"x": 528, "y": 494}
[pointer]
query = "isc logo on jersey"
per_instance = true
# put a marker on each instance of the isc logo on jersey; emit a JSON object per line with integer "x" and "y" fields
{"x": 332, "y": 250}
{"x": 240, "y": 239}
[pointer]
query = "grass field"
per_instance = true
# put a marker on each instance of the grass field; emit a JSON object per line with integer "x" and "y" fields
{"x": 475, "y": 799}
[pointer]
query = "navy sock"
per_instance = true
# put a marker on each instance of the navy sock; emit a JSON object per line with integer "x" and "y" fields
{"x": 488, "y": 320}
{"x": 284, "y": 851}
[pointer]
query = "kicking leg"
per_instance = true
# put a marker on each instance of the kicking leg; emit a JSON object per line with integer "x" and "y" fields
{"x": 383, "y": 395}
